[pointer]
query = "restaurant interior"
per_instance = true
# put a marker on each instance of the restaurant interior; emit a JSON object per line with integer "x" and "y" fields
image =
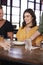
{"x": 13, "y": 12}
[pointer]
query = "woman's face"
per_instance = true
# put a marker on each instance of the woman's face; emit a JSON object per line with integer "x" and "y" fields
{"x": 1, "y": 14}
{"x": 28, "y": 18}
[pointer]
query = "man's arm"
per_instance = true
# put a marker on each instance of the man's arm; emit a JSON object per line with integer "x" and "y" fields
{"x": 10, "y": 35}
{"x": 40, "y": 29}
{"x": 37, "y": 33}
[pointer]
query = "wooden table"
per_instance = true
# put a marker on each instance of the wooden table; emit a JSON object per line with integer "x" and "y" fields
{"x": 20, "y": 54}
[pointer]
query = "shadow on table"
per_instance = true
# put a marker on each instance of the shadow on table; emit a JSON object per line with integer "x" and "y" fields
{"x": 5, "y": 62}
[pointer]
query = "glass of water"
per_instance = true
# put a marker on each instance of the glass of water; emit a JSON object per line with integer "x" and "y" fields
{"x": 28, "y": 44}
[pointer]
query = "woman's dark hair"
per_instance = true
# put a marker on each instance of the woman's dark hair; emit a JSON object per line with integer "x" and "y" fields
{"x": 32, "y": 14}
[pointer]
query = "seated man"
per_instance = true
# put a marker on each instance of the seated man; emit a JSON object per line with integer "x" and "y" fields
{"x": 40, "y": 29}
{"x": 6, "y": 28}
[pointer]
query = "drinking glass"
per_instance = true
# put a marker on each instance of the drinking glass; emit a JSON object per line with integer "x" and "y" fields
{"x": 28, "y": 44}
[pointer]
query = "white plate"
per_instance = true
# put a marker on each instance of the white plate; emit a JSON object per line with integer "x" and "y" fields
{"x": 18, "y": 43}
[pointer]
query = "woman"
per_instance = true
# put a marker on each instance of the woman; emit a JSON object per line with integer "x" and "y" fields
{"x": 28, "y": 27}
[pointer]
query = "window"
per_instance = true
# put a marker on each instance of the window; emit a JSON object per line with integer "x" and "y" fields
{"x": 15, "y": 12}
{"x": 36, "y": 6}
{"x": 12, "y": 11}
{"x": 32, "y": 5}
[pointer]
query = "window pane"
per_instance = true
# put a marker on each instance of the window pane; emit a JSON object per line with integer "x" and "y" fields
{"x": 31, "y": 0}
{"x": 37, "y": 12}
{"x": 15, "y": 19}
{"x": 17, "y": 26}
{"x": 31, "y": 5}
{"x": 8, "y": 10}
{"x": 8, "y": 17}
{"x": 15, "y": 11}
{"x": 42, "y": 7}
{"x": 38, "y": 1}
{"x": 4, "y": 16}
{"x": 37, "y": 6}
{"x": 8, "y": 2}
{"x": 4, "y": 9}
{"x": 41, "y": 13}
{"x": 15, "y": 3}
